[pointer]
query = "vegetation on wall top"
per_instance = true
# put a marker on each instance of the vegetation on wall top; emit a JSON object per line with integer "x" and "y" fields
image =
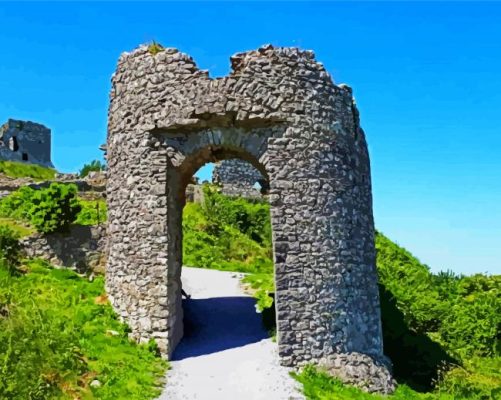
{"x": 93, "y": 166}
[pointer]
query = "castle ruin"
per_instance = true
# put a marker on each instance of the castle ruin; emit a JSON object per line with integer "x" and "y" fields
{"x": 25, "y": 141}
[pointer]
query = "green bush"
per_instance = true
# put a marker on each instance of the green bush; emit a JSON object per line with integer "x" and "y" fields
{"x": 54, "y": 209}
{"x": 20, "y": 206}
{"x": 10, "y": 249}
{"x": 17, "y": 204}
{"x": 228, "y": 234}
{"x": 94, "y": 165}
{"x": 93, "y": 212}
{"x": 250, "y": 217}
{"x": 24, "y": 170}
{"x": 264, "y": 288}
{"x": 58, "y": 334}
{"x": 477, "y": 378}
{"x": 473, "y": 324}
{"x": 411, "y": 284}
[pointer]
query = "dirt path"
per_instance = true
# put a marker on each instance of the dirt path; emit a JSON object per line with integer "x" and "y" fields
{"x": 226, "y": 354}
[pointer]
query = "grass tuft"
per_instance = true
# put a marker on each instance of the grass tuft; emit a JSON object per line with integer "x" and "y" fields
{"x": 154, "y": 48}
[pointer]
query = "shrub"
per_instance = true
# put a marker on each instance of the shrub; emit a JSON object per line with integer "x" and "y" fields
{"x": 478, "y": 378}
{"x": 227, "y": 233}
{"x": 473, "y": 324}
{"x": 411, "y": 284}
{"x": 264, "y": 289}
{"x": 94, "y": 165}
{"x": 54, "y": 209}
{"x": 17, "y": 204}
{"x": 10, "y": 249}
{"x": 250, "y": 217}
{"x": 154, "y": 48}
{"x": 93, "y": 212}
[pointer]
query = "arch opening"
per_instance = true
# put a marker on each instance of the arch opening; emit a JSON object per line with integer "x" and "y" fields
{"x": 215, "y": 154}
{"x": 223, "y": 234}
{"x": 212, "y": 231}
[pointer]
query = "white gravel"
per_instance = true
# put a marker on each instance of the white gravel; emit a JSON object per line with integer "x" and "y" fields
{"x": 226, "y": 354}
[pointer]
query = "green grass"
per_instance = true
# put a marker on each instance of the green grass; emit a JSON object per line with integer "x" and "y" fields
{"x": 317, "y": 385}
{"x": 93, "y": 212}
{"x": 15, "y": 169}
{"x": 21, "y": 228}
{"x": 58, "y": 334}
{"x": 217, "y": 239}
{"x": 458, "y": 384}
{"x": 154, "y": 48}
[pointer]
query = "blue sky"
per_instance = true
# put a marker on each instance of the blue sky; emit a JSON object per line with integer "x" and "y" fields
{"x": 426, "y": 76}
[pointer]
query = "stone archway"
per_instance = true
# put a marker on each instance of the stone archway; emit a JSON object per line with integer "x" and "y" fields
{"x": 279, "y": 110}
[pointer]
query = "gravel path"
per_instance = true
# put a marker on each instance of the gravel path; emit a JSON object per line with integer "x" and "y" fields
{"x": 225, "y": 354}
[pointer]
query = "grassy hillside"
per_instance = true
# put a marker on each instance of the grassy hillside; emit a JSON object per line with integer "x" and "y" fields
{"x": 60, "y": 339}
{"x": 441, "y": 331}
{"x": 15, "y": 169}
{"x": 58, "y": 334}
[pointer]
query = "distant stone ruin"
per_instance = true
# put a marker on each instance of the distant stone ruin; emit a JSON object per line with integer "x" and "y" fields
{"x": 25, "y": 141}
{"x": 239, "y": 178}
{"x": 279, "y": 110}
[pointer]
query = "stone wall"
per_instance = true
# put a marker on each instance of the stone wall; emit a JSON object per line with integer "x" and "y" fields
{"x": 82, "y": 249}
{"x": 236, "y": 172}
{"x": 279, "y": 110}
{"x": 94, "y": 184}
{"x": 194, "y": 193}
{"x": 238, "y": 178}
{"x": 25, "y": 141}
{"x": 244, "y": 191}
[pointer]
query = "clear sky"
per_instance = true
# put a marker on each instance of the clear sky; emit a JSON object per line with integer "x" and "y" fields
{"x": 426, "y": 76}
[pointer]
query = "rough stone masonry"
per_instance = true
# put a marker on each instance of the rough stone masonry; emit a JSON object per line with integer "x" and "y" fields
{"x": 238, "y": 178}
{"x": 279, "y": 110}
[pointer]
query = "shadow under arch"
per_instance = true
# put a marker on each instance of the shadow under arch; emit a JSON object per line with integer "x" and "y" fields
{"x": 226, "y": 323}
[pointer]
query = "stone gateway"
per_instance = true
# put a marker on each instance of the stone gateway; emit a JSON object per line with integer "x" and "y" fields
{"x": 279, "y": 110}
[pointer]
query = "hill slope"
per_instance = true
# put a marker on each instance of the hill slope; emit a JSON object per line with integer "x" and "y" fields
{"x": 430, "y": 321}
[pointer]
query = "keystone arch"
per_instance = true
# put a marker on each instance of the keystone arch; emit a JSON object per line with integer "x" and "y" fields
{"x": 279, "y": 110}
